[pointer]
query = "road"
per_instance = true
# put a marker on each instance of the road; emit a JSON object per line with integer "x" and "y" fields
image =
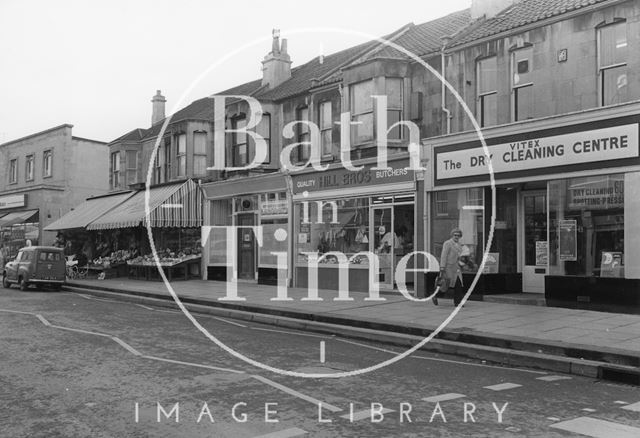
{"x": 80, "y": 366}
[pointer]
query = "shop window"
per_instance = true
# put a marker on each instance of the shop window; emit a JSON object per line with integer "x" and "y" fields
{"x": 503, "y": 255}
{"x": 13, "y": 171}
{"x": 487, "y": 90}
{"x": 115, "y": 170}
{"x": 361, "y": 104}
{"x": 167, "y": 159}
{"x": 132, "y": 167}
{"x": 612, "y": 60}
{"x": 47, "y": 163}
{"x": 395, "y": 105}
{"x": 465, "y": 211}
{"x": 239, "y": 143}
{"x": 326, "y": 126}
{"x": 302, "y": 134}
{"x": 181, "y": 155}
{"x": 199, "y": 153}
{"x": 29, "y": 167}
{"x": 522, "y": 83}
{"x": 442, "y": 203}
{"x": 586, "y": 231}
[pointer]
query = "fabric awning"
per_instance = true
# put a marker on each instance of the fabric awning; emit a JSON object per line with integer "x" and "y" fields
{"x": 172, "y": 205}
{"x": 17, "y": 217}
{"x": 87, "y": 212}
{"x": 270, "y": 182}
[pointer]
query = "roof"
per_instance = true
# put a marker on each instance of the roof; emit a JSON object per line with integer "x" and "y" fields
{"x": 55, "y": 128}
{"x": 519, "y": 14}
{"x": 88, "y": 211}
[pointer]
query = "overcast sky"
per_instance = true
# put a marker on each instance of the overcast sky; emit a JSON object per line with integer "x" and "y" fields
{"x": 96, "y": 65}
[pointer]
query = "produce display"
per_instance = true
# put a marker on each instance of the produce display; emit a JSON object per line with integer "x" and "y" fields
{"x": 167, "y": 257}
{"x": 116, "y": 258}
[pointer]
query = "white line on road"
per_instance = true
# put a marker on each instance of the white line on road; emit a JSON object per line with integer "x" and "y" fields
{"x": 620, "y": 402}
{"x": 287, "y": 433}
{"x": 237, "y": 324}
{"x": 588, "y": 410}
{"x": 553, "y": 418}
{"x": 552, "y": 378}
{"x": 287, "y": 332}
{"x": 443, "y": 397}
{"x": 86, "y": 297}
{"x": 598, "y": 428}
{"x": 634, "y": 407}
{"x": 366, "y": 413}
{"x": 322, "y": 352}
{"x": 16, "y": 311}
{"x": 297, "y": 394}
{"x": 128, "y": 347}
{"x": 502, "y": 386}
{"x": 191, "y": 364}
{"x": 43, "y": 320}
{"x": 143, "y": 306}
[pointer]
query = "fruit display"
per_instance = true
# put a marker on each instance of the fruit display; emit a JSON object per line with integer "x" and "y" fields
{"x": 166, "y": 257}
{"x": 115, "y": 258}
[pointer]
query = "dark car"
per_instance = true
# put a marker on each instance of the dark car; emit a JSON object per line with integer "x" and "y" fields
{"x": 41, "y": 265}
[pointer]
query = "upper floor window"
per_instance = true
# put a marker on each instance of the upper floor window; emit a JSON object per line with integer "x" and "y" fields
{"x": 612, "y": 63}
{"x": 115, "y": 170}
{"x": 200, "y": 153}
{"x": 395, "y": 103}
{"x": 303, "y": 134}
{"x": 166, "y": 152}
{"x": 181, "y": 155}
{"x": 522, "y": 83}
{"x": 158, "y": 164}
{"x": 29, "y": 167}
{"x": 132, "y": 167}
{"x": 326, "y": 125}
{"x": 239, "y": 143}
{"x": 264, "y": 129}
{"x": 13, "y": 171}
{"x": 361, "y": 104}
{"x": 47, "y": 163}
{"x": 487, "y": 72}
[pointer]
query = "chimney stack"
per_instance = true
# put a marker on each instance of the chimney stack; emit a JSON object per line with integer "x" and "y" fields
{"x": 276, "y": 66}
{"x": 489, "y": 8}
{"x": 158, "y": 102}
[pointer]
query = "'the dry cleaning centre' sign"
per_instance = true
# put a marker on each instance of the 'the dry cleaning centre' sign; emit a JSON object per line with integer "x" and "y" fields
{"x": 595, "y": 145}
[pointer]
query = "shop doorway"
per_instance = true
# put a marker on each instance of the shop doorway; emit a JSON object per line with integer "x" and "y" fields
{"x": 534, "y": 240}
{"x": 246, "y": 247}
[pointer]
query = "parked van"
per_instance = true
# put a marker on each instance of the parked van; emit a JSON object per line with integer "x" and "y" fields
{"x": 40, "y": 265}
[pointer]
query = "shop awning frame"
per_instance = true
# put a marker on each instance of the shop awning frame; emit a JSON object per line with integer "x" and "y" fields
{"x": 17, "y": 217}
{"x": 89, "y": 211}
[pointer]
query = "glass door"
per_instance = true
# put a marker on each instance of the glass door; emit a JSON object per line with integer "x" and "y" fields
{"x": 383, "y": 241}
{"x": 535, "y": 245}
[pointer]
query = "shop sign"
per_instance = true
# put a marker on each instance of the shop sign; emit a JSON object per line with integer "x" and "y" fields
{"x": 600, "y": 195}
{"x": 568, "y": 240}
{"x": 492, "y": 263}
{"x": 273, "y": 207}
{"x": 611, "y": 264}
{"x": 541, "y": 253}
{"x": 12, "y": 201}
{"x": 341, "y": 178}
{"x": 611, "y": 143}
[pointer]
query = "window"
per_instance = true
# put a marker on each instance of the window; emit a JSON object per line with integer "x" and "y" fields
{"x": 442, "y": 203}
{"x": 115, "y": 170}
{"x": 361, "y": 104}
{"x": 158, "y": 164}
{"x": 29, "y": 167}
{"x": 264, "y": 129}
{"x": 612, "y": 56}
{"x": 132, "y": 167}
{"x": 239, "y": 143}
{"x": 47, "y": 163}
{"x": 522, "y": 82}
{"x": 167, "y": 159}
{"x": 326, "y": 125}
{"x": 200, "y": 153}
{"x": 395, "y": 102}
{"x": 181, "y": 155}
{"x": 13, "y": 171}
{"x": 303, "y": 135}
{"x": 487, "y": 81}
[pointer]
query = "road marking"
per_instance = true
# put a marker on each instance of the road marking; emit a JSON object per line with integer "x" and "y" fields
{"x": 287, "y": 433}
{"x": 286, "y": 332}
{"x": 237, "y": 324}
{"x": 86, "y": 297}
{"x": 620, "y": 402}
{"x": 321, "y": 351}
{"x": 440, "y": 360}
{"x": 552, "y": 378}
{"x": 16, "y": 311}
{"x": 297, "y": 394}
{"x": 144, "y": 307}
{"x": 443, "y": 397}
{"x": 366, "y": 413}
{"x": 553, "y": 419}
{"x": 634, "y": 407}
{"x": 43, "y": 320}
{"x": 128, "y": 347}
{"x": 598, "y": 428}
{"x": 588, "y": 410}
{"x": 191, "y": 364}
{"x": 502, "y": 386}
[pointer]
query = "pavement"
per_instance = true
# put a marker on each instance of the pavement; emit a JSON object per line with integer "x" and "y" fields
{"x": 597, "y": 344}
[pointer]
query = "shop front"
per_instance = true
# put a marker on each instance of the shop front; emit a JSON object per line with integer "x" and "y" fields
{"x": 252, "y": 203}
{"x": 567, "y": 208}
{"x": 342, "y": 212}
{"x": 19, "y": 225}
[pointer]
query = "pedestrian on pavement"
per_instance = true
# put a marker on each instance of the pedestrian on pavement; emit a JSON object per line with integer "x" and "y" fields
{"x": 450, "y": 266}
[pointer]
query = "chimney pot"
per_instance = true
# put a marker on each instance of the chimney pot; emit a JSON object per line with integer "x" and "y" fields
{"x": 157, "y": 109}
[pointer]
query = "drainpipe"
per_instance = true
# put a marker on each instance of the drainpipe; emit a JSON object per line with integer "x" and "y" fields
{"x": 445, "y": 110}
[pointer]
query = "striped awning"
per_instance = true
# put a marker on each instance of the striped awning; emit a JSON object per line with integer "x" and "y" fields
{"x": 172, "y": 205}
{"x": 17, "y": 217}
{"x": 88, "y": 211}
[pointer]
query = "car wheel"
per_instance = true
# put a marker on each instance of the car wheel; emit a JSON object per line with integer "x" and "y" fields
{"x": 5, "y": 282}
{"x": 23, "y": 284}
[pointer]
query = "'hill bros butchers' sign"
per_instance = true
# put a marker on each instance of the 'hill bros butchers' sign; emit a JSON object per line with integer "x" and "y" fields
{"x": 590, "y": 146}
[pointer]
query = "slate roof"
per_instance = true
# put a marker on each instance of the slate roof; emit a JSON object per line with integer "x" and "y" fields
{"x": 519, "y": 14}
